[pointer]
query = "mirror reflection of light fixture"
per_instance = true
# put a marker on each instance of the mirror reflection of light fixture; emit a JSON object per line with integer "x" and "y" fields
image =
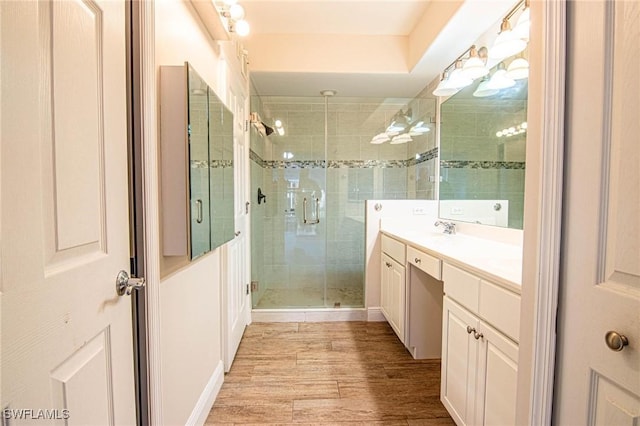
{"x": 518, "y": 69}
{"x": 380, "y": 138}
{"x": 402, "y": 138}
{"x": 475, "y": 66}
{"x": 483, "y": 90}
{"x": 419, "y": 129}
{"x": 279, "y": 127}
{"x": 499, "y": 79}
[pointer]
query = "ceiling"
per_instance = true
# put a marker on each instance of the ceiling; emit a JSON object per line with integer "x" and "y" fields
{"x": 377, "y": 48}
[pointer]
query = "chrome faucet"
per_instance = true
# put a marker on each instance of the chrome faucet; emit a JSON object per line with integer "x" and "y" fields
{"x": 449, "y": 227}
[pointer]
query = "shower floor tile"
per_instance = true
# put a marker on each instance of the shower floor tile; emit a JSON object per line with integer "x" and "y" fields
{"x": 274, "y": 298}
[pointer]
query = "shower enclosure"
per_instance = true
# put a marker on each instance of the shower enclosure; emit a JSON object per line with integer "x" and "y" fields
{"x": 313, "y": 161}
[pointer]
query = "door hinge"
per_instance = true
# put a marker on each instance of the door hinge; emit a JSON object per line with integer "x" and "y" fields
{"x": 247, "y": 289}
{"x": 254, "y": 286}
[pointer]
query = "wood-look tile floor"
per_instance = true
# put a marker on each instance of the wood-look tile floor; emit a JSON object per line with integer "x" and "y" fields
{"x": 328, "y": 373}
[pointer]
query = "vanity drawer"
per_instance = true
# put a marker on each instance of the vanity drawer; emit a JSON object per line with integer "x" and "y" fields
{"x": 461, "y": 286}
{"x": 394, "y": 248}
{"x": 501, "y": 308}
{"x": 424, "y": 261}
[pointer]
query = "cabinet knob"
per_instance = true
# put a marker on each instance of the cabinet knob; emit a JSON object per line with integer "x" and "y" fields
{"x": 470, "y": 330}
{"x": 477, "y": 335}
{"x": 616, "y": 341}
{"x": 417, "y": 260}
{"x": 388, "y": 264}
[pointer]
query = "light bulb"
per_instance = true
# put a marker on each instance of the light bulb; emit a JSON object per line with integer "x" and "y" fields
{"x": 278, "y": 123}
{"x": 242, "y": 28}
{"x": 236, "y": 12}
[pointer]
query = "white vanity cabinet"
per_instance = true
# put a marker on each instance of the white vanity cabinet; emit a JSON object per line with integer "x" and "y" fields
{"x": 392, "y": 285}
{"x": 479, "y": 357}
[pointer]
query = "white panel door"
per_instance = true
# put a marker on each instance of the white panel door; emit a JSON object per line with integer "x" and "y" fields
{"x": 67, "y": 348}
{"x": 237, "y": 298}
{"x": 600, "y": 282}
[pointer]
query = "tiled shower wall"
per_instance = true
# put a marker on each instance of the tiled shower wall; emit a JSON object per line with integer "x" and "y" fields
{"x": 348, "y": 168}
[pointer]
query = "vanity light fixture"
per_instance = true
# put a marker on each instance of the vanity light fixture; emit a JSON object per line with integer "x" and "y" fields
{"x": 508, "y": 42}
{"x": 476, "y": 65}
{"x": 444, "y": 87}
{"x": 458, "y": 74}
{"x": 234, "y": 15}
{"x": 524, "y": 23}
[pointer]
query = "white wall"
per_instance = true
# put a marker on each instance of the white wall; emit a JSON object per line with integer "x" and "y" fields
{"x": 190, "y": 336}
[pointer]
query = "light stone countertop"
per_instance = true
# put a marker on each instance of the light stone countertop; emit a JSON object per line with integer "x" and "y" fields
{"x": 493, "y": 261}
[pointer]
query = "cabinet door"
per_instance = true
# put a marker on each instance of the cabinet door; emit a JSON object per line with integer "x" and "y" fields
{"x": 392, "y": 294}
{"x": 459, "y": 362}
{"x": 385, "y": 279}
{"x": 498, "y": 372}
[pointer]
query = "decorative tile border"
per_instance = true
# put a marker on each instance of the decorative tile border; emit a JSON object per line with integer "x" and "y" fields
{"x": 461, "y": 164}
{"x": 214, "y": 164}
{"x": 337, "y": 164}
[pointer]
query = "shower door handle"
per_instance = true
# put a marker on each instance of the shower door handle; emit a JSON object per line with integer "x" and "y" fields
{"x": 304, "y": 212}
{"x": 199, "y": 210}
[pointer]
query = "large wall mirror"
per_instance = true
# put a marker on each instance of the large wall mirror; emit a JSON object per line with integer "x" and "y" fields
{"x": 482, "y": 152}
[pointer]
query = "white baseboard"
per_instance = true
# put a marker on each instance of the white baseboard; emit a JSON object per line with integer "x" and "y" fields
{"x": 205, "y": 402}
{"x": 375, "y": 314}
{"x": 309, "y": 315}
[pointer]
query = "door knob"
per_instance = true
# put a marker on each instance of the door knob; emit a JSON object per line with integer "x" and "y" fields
{"x": 616, "y": 341}
{"x": 126, "y": 285}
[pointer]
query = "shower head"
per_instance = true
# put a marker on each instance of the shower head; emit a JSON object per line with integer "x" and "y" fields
{"x": 268, "y": 130}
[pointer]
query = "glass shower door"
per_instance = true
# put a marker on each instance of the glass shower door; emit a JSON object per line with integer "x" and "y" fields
{"x": 290, "y": 226}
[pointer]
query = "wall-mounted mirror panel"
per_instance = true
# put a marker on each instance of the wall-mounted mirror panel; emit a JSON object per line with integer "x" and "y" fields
{"x": 482, "y": 154}
{"x": 196, "y": 142}
{"x": 221, "y": 171}
{"x": 199, "y": 191}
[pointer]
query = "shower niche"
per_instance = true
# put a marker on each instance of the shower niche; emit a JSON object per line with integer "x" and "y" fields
{"x": 197, "y": 183}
